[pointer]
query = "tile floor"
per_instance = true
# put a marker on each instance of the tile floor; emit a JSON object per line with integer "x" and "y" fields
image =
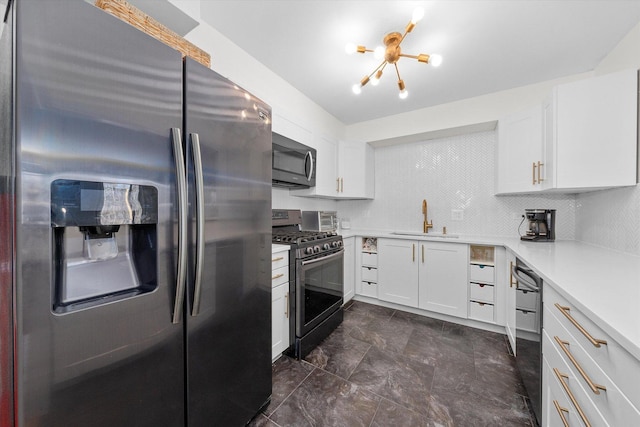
{"x": 384, "y": 367}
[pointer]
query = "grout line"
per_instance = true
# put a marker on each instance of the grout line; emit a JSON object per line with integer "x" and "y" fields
{"x": 296, "y": 387}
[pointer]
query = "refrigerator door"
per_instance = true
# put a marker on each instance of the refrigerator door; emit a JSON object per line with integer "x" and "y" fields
{"x": 229, "y": 311}
{"x": 96, "y": 101}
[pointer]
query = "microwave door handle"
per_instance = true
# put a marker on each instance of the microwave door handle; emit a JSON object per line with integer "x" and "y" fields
{"x": 309, "y": 156}
{"x": 182, "y": 224}
{"x": 200, "y": 221}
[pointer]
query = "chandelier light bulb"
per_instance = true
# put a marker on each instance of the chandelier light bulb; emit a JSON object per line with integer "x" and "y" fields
{"x": 378, "y": 53}
{"x": 357, "y": 88}
{"x": 350, "y": 48}
{"x": 435, "y": 60}
{"x": 375, "y": 81}
{"x": 418, "y": 14}
{"x": 403, "y": 94}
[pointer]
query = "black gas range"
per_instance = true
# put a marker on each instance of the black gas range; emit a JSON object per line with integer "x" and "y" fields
{"x": 316, "y": 290}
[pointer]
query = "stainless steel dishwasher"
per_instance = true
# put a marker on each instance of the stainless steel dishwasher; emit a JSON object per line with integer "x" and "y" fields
{"x": 529, "y": 333}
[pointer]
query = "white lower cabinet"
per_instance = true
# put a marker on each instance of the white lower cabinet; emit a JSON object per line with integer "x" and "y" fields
{"x": 279, "y": 303}
{"x": 349, "y": 268}
{"x": 423, "y": 274}
{"x": 598, "y": 379}
{"x": 443, "y": 278}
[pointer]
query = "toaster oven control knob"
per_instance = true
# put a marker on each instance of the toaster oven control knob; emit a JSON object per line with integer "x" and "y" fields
{"x": 316, "y": 249}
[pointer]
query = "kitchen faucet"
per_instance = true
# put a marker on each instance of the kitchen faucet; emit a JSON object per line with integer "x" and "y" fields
{"x": 425, "y": 225}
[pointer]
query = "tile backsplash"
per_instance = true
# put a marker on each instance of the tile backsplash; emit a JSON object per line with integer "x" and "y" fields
{"x": 454, "y": 174}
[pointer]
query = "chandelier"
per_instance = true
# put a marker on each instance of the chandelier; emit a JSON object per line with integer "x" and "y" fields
{"x": 391, "y": 53}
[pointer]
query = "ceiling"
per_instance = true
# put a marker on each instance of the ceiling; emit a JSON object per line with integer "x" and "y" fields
{"x": 487, "y": 46}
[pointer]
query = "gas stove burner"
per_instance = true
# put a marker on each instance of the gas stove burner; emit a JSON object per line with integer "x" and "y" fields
{"x": 301, "y": 236}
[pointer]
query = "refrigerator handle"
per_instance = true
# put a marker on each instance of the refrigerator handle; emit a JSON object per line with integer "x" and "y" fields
{"x": 182, "y": 224}
{"x": 197, "y": 163}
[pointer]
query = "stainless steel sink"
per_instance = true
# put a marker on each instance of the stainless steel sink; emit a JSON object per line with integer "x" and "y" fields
{"x": 420, "y": 234}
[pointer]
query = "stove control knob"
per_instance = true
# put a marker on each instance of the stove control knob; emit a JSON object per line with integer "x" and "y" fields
{"x": 334, "y": 244}
{"x": 339, "y": 242}
{"x": 326, "y": 247}
{"x": 316, "y": 249}
{"x": 309, "y": 250}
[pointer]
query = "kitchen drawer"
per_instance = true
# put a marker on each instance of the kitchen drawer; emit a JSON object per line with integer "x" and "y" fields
{"x": 369, "y": 274}
{"x": 615, "y": 361}
{"x": 527, "y": 320}
{"x": 481, "y": 273}
{"x": 557, "y": 366}
{"x": 369, "y": 259}
{"x": 481, "y": 292}
{"x": 279, "y": 276}
{"x": 279, "y": 259}
{"x": 527, "y": 300}
{"x": 481, "y": 311}
{"x": 370, "y": 289}
{"x": 612, "y": 403}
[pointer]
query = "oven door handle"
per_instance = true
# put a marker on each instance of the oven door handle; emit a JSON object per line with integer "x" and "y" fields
{"x": 326, "y": 258}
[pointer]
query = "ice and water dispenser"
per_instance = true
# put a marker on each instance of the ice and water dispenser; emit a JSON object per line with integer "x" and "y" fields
{"x": 105, "y": 242}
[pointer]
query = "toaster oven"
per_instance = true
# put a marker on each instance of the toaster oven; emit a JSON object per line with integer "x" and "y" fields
{"x": 320, "y": 220}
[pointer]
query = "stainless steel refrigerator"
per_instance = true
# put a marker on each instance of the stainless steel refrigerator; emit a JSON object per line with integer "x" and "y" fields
{"x": 135, "y": 229}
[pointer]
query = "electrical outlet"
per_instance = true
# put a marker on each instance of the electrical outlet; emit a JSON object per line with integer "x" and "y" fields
{"x": 457, "y": 214}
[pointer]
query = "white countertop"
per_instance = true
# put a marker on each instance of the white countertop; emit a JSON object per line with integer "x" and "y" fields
{"x": 602, "y": 283}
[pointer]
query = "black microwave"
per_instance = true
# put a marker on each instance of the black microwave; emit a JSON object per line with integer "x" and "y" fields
{"x": 293, "y": 164}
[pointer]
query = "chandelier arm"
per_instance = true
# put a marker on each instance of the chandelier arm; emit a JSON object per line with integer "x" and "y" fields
{"x": 381, "y": 66}
{"x": 397, "y": 72}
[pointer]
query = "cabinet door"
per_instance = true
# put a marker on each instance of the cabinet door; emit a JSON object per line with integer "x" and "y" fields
{"x": 443, "y": 278}
{"x": 511, "y": 302}
{"x": 519, "y": 148}
{"x": 596, "y": 131}
{"x": 349, "y": 268}
{"x": 279, "y": 319}
{"x": 355, "y": 170}
{"x": 398, "y": 271}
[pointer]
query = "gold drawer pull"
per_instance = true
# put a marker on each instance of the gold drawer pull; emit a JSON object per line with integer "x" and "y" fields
{"x": 280, "y": 258}
{"x": 593, "y": 386}
{"x": 561, "y": 412}
{"x": 565, "y": 310}
{"x": 565, "y": 386}
{"x": 286, "y": 305}
{"x": 540, "y": 179}
{"x": 413, "y": 253}
{"x": 423, "y": 254}
{"x": 533, "y": 173}
{"x": 277, "y": 276}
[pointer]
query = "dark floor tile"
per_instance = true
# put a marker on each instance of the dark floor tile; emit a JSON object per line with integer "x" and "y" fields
{"x": 384, "y": 334}
{"x": 498, "y": 373}
{"x": 391, "y": 414}
{"x": 488, "y": 342}
{"x": 339, "y": 353}
{"x": 370, "y": 310}
{"x": 287, "y": 374}
{"x": 262, "y": 421}
{"x": 395, "y": 377}
{"x": 324, "y": 399}
{"x": 455, "y": 408}
{"x": 418, "y": 321}
{"x": 354, "y": 319}
{"x": 457, "y": 336}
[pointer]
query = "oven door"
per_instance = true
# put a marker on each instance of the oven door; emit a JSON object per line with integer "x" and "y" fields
{"x": 319, "y": 290}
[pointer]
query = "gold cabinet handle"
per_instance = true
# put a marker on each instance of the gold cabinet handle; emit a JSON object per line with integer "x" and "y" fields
{"x": 286, "y": 305}
{"x": 533, "y": 173}
{"x": 511, "y": 282}
{"x": 593, "y": 386}
{"x": 565, "y": 310}
{"x": 342, "y": 185}
{"x": 540, "y": 179}
{"x": 561, "y": 412}
{"x": 338, "y": 185}
{"x": 277, "y": 276}
{"x": 565, "y": 386}
{"x": 280, "y": 258}
{"x": 422, "y": 254}
{"x": 413, "y": 253}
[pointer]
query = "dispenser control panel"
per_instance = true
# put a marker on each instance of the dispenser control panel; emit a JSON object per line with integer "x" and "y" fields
{"x": 88, "y": 203}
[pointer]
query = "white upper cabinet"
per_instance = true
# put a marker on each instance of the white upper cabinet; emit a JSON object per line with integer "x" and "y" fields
{"x": 592, "y": 136}
{"x": 355, "y": 179}
{"x": 520, "y": 152}
{"x": 584, "y": 137}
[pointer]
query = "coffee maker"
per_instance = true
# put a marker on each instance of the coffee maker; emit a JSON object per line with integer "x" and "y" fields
{"x": 542, "y": 225}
